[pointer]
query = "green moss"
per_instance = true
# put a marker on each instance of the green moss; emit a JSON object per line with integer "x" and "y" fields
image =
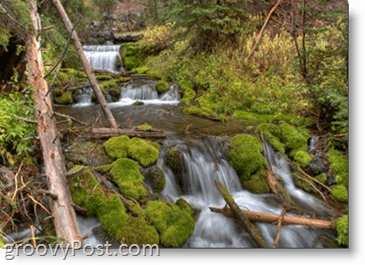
{"x": 134, "y": 208}
{"x": 257, "y": 183}
{"x": 131, "y": 62}
{"x": 250, "y": 116}
{"x": 87, "y": 153}
{"x": 57, "y": 92}
{"x": 139, "y": 232}
{"x": 301, "y": 183}
{"x": 117, "y": 147}
{"x": 141, "y": 70}
{"x": 185, "y": 85}
{"x": 156, "y": 75}
{"x": 155, "y": 178}
{"x": 87, "y": 192}
{"x": 103, "y": 168}
{"x": 301, "y": 157}
{"x": 340, "y": 193}
{"x": 103, "y": 77}
{"x": 2, "y": 244}
{"x": 162, "y": 86}
{"x": 339, "y": 166}
{"x": 142, "y": 152}
{"x": 175, "y": 161}
{"x": 65, "y": 99}
{"x": 272, "y": 134}
{"x": 125, "y": 173}
{"x": 189, "y": 94}
{"x": 185, "y": 206}
{"x": 174, "y": 225}
{"x": 322, "y": 178}
{"x": 143, "y": 127}
{"x": 245, "y": 155}
{"x": 342, "y": 228}
{"x": 201, "y": 112}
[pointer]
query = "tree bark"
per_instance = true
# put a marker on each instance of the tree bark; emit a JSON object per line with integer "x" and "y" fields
{"x": 85, "y": 63}
{"x": 63, "y": 214}
{"x": 242, "y": 221}
{"x": 273, "y": 218}
{"x": 107, "y": 132}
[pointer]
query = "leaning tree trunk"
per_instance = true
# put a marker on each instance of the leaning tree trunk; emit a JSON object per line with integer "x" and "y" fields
{"x": 64, "y": 216}
{"x": 85, "y": 63}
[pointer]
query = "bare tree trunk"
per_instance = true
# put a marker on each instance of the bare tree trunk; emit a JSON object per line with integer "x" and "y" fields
{"x": 63, "y": 214}
{"x": 86, "y": 65}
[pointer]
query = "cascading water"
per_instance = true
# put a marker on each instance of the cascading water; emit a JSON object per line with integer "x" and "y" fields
{"x": 206, "y": 162}
{"x": 144, "y": 91}
{"x": 83, "y": 96}
{"x": 106, "y": 58}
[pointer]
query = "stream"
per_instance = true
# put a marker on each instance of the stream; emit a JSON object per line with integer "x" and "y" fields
{"x": 204, "y": 160}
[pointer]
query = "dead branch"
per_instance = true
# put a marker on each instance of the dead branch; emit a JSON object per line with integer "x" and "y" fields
{"x": 77, "y": 171}
{"x": 280, "y": 222}
{"x": 69, "y": 117}
{"x": 263, "y": 28}
{"x": 109, "y": 132}
{"x": 24, "y": 119}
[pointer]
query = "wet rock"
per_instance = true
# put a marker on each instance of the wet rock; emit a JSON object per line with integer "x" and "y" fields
{"x": 155, "y": 178}
{"x": 317, "y": 165}
{"x": 102, "y": 235}
{"x": 128, "y": 38}
{"x": 175, "y": 161}
{"x": 87, "y": 153}
{"x": 138, "y": 103}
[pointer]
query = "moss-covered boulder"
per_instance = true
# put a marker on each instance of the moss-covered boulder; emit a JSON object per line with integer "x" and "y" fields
{"x": 65, "y": 99}
{"x": 130, "y": 55}
{"x": 125, "y": 173}
{"x": 257, "y": 183}
{"x": 162, "y": 86}
{"x": 342, "y": 229}
{"x": 87, "y": 193}
{"x": 175, "y": 161}
{"x": 139, "y": 231}
{"x": 272, "y": 134}
{"x": 339, "y": 166}
{"x": 87, "y": 153}
{"x": 201, "y": 112}
{"x": 174, "y": 225}
{"x": 295, "y": 143}
{"x": 143, "y": 127}
{"x": 142, "y": 152}
{"x": 185, "y": 206}
{"x": 117, "y": 147}
{"x": 188, "y": 91}
{"x": 340, "y": 193}
{"x": 155, "y": 178}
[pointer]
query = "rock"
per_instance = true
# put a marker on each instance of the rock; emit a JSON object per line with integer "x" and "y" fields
{"x": 128, "y": 38}
{"x": 102, "y": 236}
{"x": 123, "y": 17}
{"x": 109, "y": 42}
{"x": 87, "y": 153}
{"x": 317, "y": 165}
{"x": 175, "y": 161}
{"x": 138, "y": 103}
{"x": 155, "y": 178}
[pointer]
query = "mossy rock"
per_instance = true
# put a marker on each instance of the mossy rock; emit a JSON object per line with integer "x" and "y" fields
{"x": 87, "y": 193}
{"x": 324, "y": 241}
{"x": 322, "y": 178}
{"x": 304, "y": 185}
{"x": 342, "y": 229}
{"x": 189, "y": 95}
{"x": 301, "y": 157}
{"x": 65, "y": 99}
{"x": 245, "y": 155}
{"x": 142, "y": 152}
{"x": 339, "y": 166}
{"x": 103, "y": 77}
{"x": 141, "y": 70}
{"x": 155, "y": 178}
{"x": 162, "y": 86}
{"x": 143, "y": 127}
{"x": 139, "y": 231}
{"x": 175, "y": 161}
{"x": 130, "y": 62}
{"x": 125, "y": 173}
{"x": 185, "y": 85}
{"x": 174, "y": 225}
{"x": 185, "y": 206}
{"x": 340, "y": 193}
{"x": 257, "y": 183}
{"x": 88, "y": 153}
{"x": 272, "y": 134}
{"x": 156, "y": 75}
{"x": 201, "y": 112}
{"x": 134, "y": 208}
{"x": 117, "y": 147}
{"x": 57, "y": 92}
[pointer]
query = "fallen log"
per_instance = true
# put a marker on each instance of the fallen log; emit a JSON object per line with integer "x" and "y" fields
{"x": 109, "y": 132}
{"x": 273, "y": 218}
{"x": 62, "y": 211}
{"x": 242, "y": 221}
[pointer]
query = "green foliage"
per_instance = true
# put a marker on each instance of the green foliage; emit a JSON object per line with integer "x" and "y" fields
{"x": 342, "y": 229}
{"x": 4, "y": 36}
{"x": 125, "y": 173}
{"x": 13, "y": 132}
{"x": 174, "y": 225}
{"x": 245, "y": 156}
{"x": 130, "y": 55}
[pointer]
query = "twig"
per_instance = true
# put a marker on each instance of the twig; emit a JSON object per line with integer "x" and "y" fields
{"x": 24, "y": 119}
{"x": 69, "y": 117}
{"x": 315, "y": 180}
{"x": 50, "y": 194}
{"x": 263, "y": 28}
{"x": 16, "y": 181}
{"x": 69, "y": 174}
{"x": 44, "y": 208}
{"x": 279, "y": 227}
{"x": 33, "y": 235}
{"x": 65, "y": 50}
{"x": 313, "y": 186}
{"x": 53, "y": 81}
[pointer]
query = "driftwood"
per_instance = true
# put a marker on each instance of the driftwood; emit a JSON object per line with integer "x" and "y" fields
{"x": 85, "y": 63}
{"x": 273, "y": 218}
{"x": 242, "y": 220}
{"x": 62, "y": 211}
{"x": 108, "y": 132}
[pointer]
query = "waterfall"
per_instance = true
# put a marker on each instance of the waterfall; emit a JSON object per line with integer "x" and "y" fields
{"x": 144, "y": 91}
{"x": 83, "y": 96}
{"x": 205, "y": 161}
{"x": 106, "y": 58}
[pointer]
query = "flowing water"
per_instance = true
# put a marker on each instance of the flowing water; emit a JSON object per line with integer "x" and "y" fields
{"x": 106, "y": 58}
{"x": 205, "y": 161}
